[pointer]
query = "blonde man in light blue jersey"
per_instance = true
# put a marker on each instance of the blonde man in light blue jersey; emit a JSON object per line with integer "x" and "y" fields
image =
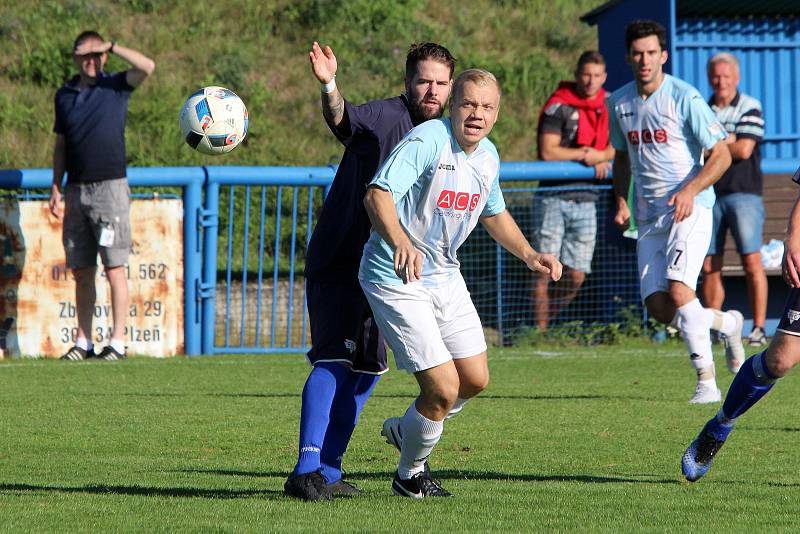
{"x": 660, "y": 127}
{"x": 423, "y": 203}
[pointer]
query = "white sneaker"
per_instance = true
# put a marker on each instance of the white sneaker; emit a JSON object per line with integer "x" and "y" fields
{"x": 734, "y": 349}
{"x": 706, "y": 393}
{"x": 391, "y": 431}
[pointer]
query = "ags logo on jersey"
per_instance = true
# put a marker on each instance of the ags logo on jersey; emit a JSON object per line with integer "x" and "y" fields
{"x": 459, "y": 201}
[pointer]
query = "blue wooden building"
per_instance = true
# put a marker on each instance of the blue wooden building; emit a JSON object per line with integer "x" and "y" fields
{"x": 764, "y": 35}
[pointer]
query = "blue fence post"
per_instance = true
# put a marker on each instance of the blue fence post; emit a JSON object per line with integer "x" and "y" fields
{"x": 210, "y": 216}
{"x": 499, "y": 276}
{"x": 192, "y": 262}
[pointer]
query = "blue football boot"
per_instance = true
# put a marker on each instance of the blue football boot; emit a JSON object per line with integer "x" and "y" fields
{"x": 700, "y": 454}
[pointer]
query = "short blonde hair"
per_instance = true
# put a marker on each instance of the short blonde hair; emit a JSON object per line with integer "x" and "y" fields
{"x": 478, "y": 77}
{"x": 722, "y": 57}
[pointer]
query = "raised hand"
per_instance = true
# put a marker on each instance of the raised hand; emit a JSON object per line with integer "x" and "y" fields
{"x": 92, "y": 46}
{"x": 323, "y": 62}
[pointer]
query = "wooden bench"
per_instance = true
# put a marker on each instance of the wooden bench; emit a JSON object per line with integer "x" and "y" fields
{"x": 779, "y": 195}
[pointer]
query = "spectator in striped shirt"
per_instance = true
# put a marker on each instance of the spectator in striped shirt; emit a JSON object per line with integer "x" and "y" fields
{"x": 739, "y": 205}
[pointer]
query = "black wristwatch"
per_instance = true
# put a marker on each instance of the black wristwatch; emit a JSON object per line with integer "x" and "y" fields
{"x": 113, "y": 44}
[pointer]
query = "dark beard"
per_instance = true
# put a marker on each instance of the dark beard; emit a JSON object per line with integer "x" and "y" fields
{"x": 417, "y": 113}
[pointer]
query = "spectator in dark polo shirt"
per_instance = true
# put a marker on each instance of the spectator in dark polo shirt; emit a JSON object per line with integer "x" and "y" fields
{"x": 739, "y": 205}
{"x": 573, "y": 126}
{"x": 90, "y": 112}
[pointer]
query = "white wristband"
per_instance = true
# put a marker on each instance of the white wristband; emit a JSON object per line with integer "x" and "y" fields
{"x": 330, "y": 86}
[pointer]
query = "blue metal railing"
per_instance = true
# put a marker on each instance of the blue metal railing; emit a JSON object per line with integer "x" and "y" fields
{"x": 201, "y": 258}
{"x": 191, "y": 179}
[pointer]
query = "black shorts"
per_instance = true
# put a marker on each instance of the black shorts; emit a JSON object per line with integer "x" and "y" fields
{"x": 343, "y": 329}
{"x": 790, "y": 320}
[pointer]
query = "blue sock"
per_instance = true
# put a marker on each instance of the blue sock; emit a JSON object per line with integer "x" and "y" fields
{"x": 752, "y": 382}
{"x": 347, "y": 406}
{"x": 318, "y": 395}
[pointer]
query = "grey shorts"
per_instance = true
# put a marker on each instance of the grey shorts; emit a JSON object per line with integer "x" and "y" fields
{"x": 97, "y": 219}
{"x": 566, "y": 229}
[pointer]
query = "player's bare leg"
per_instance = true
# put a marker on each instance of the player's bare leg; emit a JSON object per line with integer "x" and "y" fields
{"x": 473, "y": 375}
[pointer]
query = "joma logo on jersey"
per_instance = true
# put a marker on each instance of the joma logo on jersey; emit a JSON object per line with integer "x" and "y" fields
{"x": 447, "y": 167}
{"x": 647, "y": 136}
{"x": 459, "y": 201}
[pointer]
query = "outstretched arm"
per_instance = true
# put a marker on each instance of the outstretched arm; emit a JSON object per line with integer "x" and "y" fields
{"x": 323, "y": 65}
{"x": 505, "y": 231}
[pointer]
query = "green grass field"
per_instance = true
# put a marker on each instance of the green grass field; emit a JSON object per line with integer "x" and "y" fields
{"x": 564, "y": 439}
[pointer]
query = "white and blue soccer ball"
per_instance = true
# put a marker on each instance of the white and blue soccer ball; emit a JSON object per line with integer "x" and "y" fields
{"x": 214, "y": 120}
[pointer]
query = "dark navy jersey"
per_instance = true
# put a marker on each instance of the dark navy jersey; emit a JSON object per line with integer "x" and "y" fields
{"x": 369, "y": 132}
{"x": 92, "y": 121}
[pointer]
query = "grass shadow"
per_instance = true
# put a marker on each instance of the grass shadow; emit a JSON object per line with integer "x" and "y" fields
{"x": 457, "y": 474}
{"x": 146, "y": 491}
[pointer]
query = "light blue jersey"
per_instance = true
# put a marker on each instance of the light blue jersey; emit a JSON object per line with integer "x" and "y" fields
{"x": 440, "y": 193}
{"x": 664, "y": 136}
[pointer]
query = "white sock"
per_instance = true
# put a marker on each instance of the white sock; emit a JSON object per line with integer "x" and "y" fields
{"x": 695, "y": 324}
{"x": 83, "y": 343}
{"x": 118, "y": 345}
{"x": 420, "y": 436}
{"x": 457, "y": 407}
{"x": 712, "y": 383}
{"x": 723, "y": 322}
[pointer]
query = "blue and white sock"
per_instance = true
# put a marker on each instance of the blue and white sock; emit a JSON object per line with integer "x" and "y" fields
{"x": 750, "y": 384}
{"x": 318, "y": 394}
{"x": 350, "y": 398}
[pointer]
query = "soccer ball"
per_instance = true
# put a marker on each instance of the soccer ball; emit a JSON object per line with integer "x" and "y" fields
{"x": 214, "y": 120}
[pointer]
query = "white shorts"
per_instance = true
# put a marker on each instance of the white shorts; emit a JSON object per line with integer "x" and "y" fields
{"x": 668, "y": 251}
{"x": 426, "y": 326}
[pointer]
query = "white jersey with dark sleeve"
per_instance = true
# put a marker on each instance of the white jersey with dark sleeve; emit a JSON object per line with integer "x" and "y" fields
{"x": 664, "y": 136}
{"x": 440, "y": 193}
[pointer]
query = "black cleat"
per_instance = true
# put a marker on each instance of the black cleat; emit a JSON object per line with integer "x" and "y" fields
{"x": 76, "y": 354}
{"x": 419, "y": 486}
{"x": 308, "y": 487}
{"x": 109, "y": 353}
{"x": 342, "y": 488}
